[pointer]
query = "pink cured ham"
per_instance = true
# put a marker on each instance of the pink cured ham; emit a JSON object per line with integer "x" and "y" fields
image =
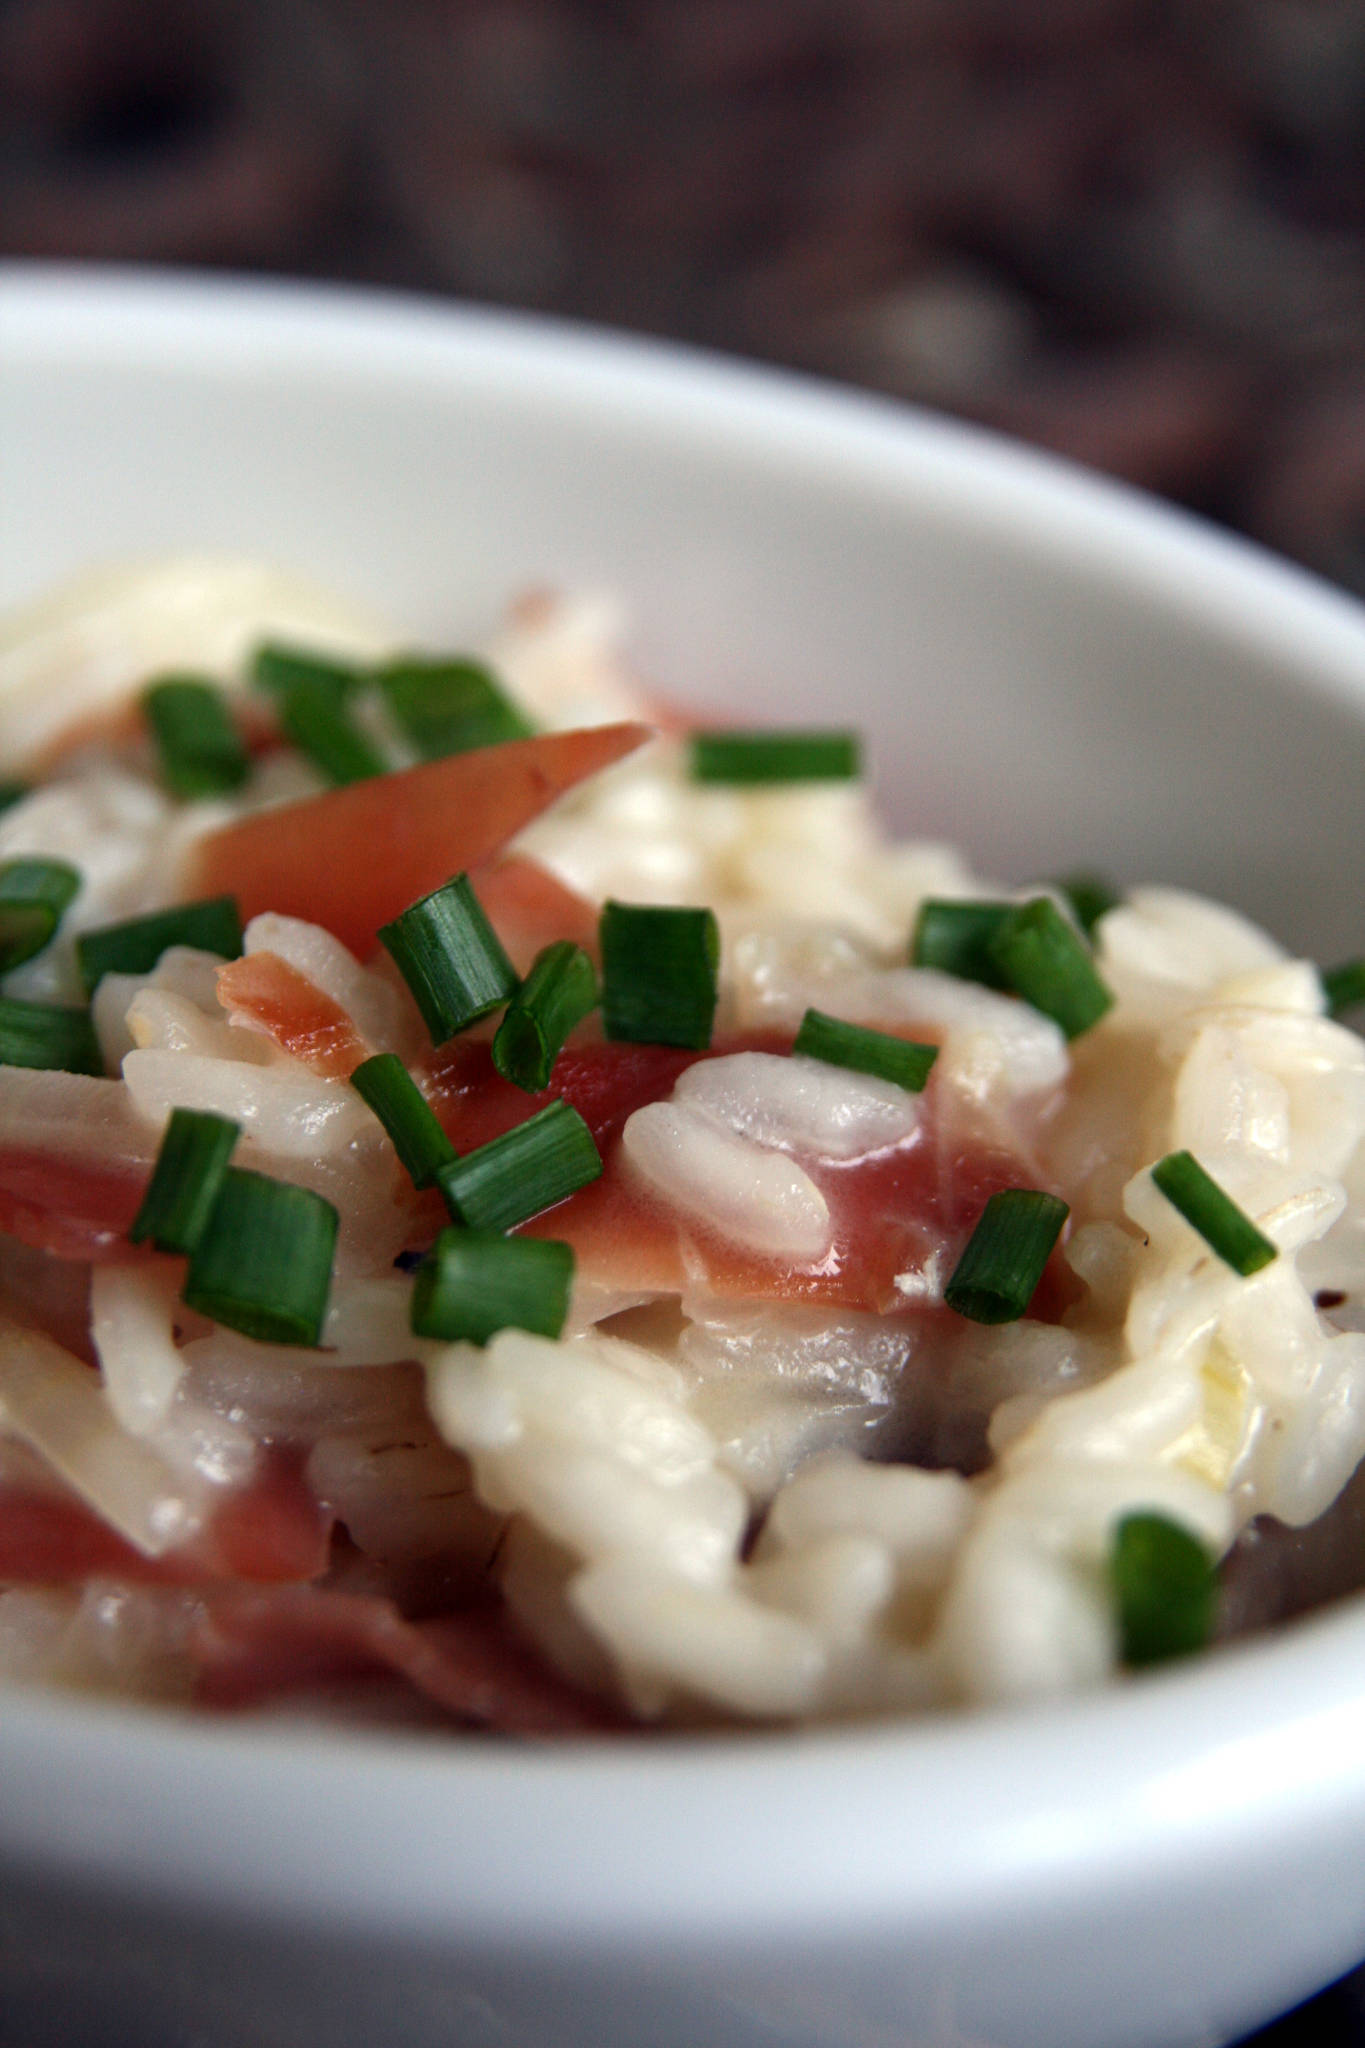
{"x": 252, "y": 1647}
{"x": 890, "y": 1211}
{"x": 271, "y": 1531}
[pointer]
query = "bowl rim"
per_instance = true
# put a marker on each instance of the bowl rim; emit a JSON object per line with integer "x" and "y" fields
{"x": 1256, "y": 1744}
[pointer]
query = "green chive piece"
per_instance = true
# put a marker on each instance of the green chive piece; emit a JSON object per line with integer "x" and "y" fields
{"x": 389, "y": 1089}
{"x": 796, "y": 756}
{"x": 280, "y": 669}
{"x": 1045, "y": 960}
{"x": 48, "y": 1035}
{"x": 12, "y": 793}
{"x": 995, "y": 1279}
{"x": 1165, "y": 1586}
{"x": 525, "y": 1171}
{"x": 315, "y": 719}
{"x": 449, "y": 707}
{"x": 1090, "y": 896}
{"x": 558, "y": 993}
{"x": 1344, "y": 987}
{"x": 1226, "y": 1229}
{"x": 902, "y": 1060}
{"x": 34, "y": 895}
{"x": 474, "y": 1283}
{"x": 200, "y": 751}
{"x": 263, "y": 1265}
{"x": 186, "y": 1180}
{"x": 956, "y": 939}
{"x": 660, "y": 971}
{"x": 451, "y": 958}
{"x": 213, "y": 925}
{"x": 312, "y": 693}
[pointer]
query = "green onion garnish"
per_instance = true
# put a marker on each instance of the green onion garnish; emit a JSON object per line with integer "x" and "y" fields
{"x": 659, "y": 974}
{"x": 393, "y": 1095}
{"x": 994, "y": 1280}
{"x": 956, "y": 939}
{"x": 34, "y": 895}
{"x": 316, "y": 720}
{"x": 1344, "y": 987}
{"x": 48, "y": 1035}
{"x": 808, "y": 756}
{"x": 558, "y": 993}
{"x": 312, "y": 693}
{"x": 11, "y": 793}
{"x": 474, "y": 1283}
{"x": 451, "y": 958}
{"x": 186, "y": 1180}
{"x": 526, "y": 1170}
{"x": 1090, "y": 896}
{"x": 1225, "y": 1228}
{"x": 264, "y": 1263}
{"x": 1044, "y": 959}
{"x": 902, "y": 1060}
{"x": 200, "y": 750}
{"x": 280, "y": 669}
{"x": 1165, "y": 1586}
{"x": 134, "y": 947}
{"x": 449, "y": 707}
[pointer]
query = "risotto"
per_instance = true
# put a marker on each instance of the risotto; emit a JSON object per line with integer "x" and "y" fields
{"x": 518, "y": 1213}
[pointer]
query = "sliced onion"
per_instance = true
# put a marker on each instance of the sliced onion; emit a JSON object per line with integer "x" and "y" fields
{"x": 56, "y": 1405}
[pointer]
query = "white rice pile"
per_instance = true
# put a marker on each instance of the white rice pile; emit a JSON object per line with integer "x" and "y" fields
{"x": 706, "y": 1507}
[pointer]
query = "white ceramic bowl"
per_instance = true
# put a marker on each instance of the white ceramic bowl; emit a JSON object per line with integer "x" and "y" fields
{"x": 1052, "y": 672}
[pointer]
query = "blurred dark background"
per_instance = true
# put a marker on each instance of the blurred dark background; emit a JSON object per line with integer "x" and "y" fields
{"x": 1132, "y": 232}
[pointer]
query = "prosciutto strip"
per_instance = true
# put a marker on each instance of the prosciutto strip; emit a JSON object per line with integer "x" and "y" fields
{"x": 251, "y": 1647}
{"x": 412, "y": 831}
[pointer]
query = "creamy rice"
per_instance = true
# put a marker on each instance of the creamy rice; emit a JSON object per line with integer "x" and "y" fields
{"x": 764, "y": 1474}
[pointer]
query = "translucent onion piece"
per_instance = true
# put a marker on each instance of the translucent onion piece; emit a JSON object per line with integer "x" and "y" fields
{"x": 130, "y": 1322}
{"x": 56, "y": 1405}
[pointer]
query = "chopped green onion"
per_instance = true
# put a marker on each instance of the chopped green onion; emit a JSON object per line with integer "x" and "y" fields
{"x": 526, "y": 1170}
{"x": 34, "y": 895}
{"x": 558, "y": 993}
{"x": 1045, "y": 960}
{"x": 1225, "y": 1228}
{"x": 798, "y": 756}
{"x": 659, "y": 974}
{"x": 48, "y": 1035}
{"x": 264, "y": 1263}
{"x": 280, "y": 669}
{"x": 311, "y": 693}
{"x": 451, "y": 958}
{"x": 315, "y": 718}
{"x": 474, "y": 1283}
{"x": 956, "y": 939}
{"x": 449, "y": 707}
{"x": 186, "y": 1180}
{"x": 213, "y": 925}
{"x": 1344, "y": 987}
{"x": 201, "y": 751}
{"x": 11, "y": 793}
{"x": 902, "y": 1060}
{"x": 1090, "y": 896}
{"x": 401, "y": 1107}
{"x": 995, "y": 1279}
{"x": 1165, "y": 1587}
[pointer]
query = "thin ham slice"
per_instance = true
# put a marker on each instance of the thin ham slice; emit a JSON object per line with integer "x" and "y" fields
{"x": 253, "y": 1647}
{"x": 353, "y": 858}
{"x": 271, "y": 1531}
{"x": 891, "y": 1211}
{"x": 293, "y": 1011}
